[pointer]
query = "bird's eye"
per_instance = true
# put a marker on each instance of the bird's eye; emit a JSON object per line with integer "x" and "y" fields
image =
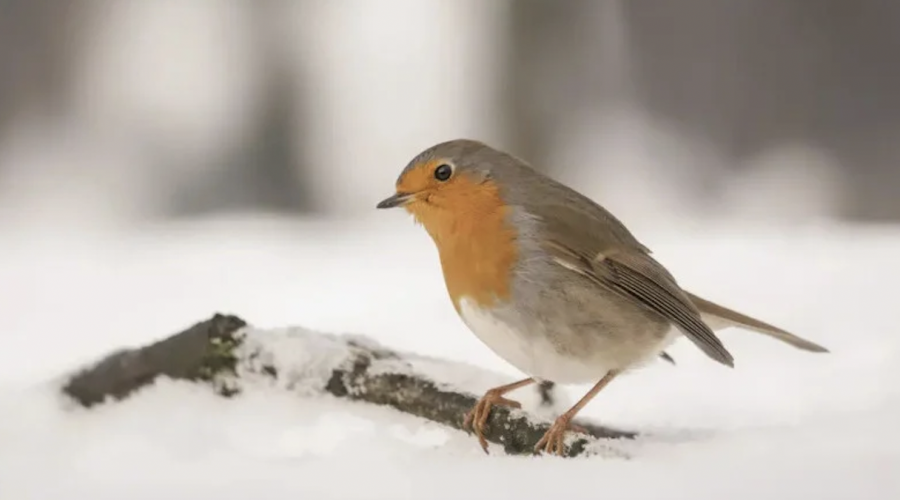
{"x": 443, "y": 172}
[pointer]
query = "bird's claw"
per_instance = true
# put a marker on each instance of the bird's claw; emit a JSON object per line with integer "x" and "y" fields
{"x": 553, "y": 440}
{"x": 476, "y": 419}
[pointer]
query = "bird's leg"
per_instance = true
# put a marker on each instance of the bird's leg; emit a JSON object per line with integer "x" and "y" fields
{"x": 477, "y": 417}
{"x": 552, "y": 441}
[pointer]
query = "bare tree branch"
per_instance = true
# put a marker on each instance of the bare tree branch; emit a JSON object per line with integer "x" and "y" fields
{"x": 227, "y": 354}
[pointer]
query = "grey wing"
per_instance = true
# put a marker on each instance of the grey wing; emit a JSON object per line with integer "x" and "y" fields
{"x": 645, "y": 280}
{"x": 637, "y": 276}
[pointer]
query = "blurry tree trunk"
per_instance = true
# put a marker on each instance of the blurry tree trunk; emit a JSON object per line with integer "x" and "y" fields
{"x": 754, "y": 74}
{"x": 746, "y": 75}
{"x": 560, "y": 68}
{"x": 38, "y": 46}
{"x": 267, "y": 171}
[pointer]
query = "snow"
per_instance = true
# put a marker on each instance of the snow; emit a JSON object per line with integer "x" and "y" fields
{"x": 303, "y": 360}
{"x": 782, "y": 424}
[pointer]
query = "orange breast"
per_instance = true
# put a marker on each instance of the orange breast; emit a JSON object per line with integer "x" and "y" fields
{"x": 477, "y": 247}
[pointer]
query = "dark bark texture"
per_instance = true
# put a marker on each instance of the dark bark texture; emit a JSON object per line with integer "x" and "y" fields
{"x": 220, "y": 352}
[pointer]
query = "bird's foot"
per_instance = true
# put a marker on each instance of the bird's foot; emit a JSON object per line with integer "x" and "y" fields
{"x": 476, "y": 418}
{"x": 552, "y": 441}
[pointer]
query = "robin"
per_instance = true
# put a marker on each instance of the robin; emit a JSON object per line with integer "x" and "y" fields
{"x": 549, "y": 280}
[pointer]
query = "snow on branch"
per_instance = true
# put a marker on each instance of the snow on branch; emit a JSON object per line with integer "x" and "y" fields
{"x": 232, "y": 356}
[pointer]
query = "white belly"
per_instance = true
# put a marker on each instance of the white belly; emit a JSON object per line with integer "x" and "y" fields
{"x": 535, "y": 356}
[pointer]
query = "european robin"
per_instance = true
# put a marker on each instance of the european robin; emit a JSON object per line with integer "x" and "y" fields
{"x": 552, "y": 282}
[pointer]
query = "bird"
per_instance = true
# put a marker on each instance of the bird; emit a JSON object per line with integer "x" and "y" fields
{"x": 550, "y": 281}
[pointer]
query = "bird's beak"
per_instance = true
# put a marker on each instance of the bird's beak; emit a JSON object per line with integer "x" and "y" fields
{"x": 395, "y": 200}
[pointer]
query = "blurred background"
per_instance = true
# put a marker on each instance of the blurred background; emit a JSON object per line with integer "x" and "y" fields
{"x": 116, "y": 112}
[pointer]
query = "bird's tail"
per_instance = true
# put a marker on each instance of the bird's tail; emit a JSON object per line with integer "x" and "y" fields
{"x": 718, "y": 317}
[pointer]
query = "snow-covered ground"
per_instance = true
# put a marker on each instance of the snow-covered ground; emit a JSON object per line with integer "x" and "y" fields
{"x": 783, "y": 424}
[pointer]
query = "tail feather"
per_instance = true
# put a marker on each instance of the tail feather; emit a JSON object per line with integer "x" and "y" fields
{"x": 718, "y": 317}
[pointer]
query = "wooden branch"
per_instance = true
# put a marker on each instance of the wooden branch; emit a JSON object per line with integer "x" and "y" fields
{"x": 230, "y": 356}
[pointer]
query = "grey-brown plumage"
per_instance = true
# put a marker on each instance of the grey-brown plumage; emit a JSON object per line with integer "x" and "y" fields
{"x": 551, "y": 281}
{"x": 720, "y": 317}
{"x": 585, "y": 283}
